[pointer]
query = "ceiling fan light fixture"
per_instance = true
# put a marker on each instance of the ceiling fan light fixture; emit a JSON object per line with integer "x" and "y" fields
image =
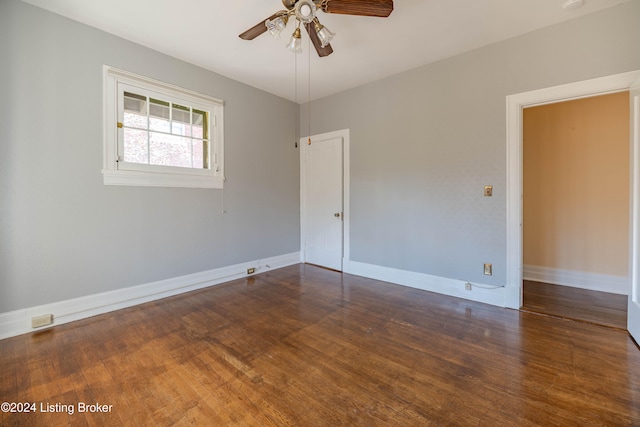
{"x": 276, "y": 26}
{"x": 295, "y": 43}
{"x": 305, "y": 11}
{"x": 324, "y": 34}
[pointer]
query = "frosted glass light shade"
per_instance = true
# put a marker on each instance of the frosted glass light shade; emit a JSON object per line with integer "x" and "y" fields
{"x": 325, "y": 36}
{"x": 295, "y": 43}
{"x": 276, "y": 26}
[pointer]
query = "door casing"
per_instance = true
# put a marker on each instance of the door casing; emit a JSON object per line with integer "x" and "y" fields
{"x": 515, "y": 104}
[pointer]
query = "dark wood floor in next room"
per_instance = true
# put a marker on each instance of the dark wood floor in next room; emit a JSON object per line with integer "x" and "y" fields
{"x": 305, "y": 346}
{"x": 599, "y": 308}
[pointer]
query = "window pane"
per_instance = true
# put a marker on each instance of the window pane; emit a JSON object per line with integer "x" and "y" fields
{"x": 135, "y": 146}
{"x": 169, "y": 150}
{"x": 181, "y": 120}
{"x": 159, "y": 115}
{"x": 135, "y": 110}
{"x": 200, "y": 154}
{"x": 200, "y": 127}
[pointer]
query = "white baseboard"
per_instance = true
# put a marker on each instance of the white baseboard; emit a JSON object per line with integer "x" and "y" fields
{"x": 577, "y": 279}
{"x": 19, "y": 321}
{"x": 456, "y": 288}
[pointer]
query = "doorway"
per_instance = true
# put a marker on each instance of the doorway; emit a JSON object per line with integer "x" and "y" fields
{"x": 515, "y": 103}
{"x": 324, "y": 199}
{"x": 576, "y": 209}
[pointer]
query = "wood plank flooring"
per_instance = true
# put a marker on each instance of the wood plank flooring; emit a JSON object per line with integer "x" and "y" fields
{"x": 304, "y": 346}
{"x": 599, "y": 308}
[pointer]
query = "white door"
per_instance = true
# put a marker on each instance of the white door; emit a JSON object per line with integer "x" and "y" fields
{"x": 322, "y": 202}
{"x": 633, "y": 312}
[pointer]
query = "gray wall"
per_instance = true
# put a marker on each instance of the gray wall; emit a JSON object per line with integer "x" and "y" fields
{"x": 425, "y": 142}
{"x": 63, "y": 234}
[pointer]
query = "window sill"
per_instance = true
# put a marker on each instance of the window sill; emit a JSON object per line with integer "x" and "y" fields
{"x": 146, "y": 179}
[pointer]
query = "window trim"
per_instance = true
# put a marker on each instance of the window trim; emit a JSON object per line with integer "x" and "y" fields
{"x": 132, "y": 174}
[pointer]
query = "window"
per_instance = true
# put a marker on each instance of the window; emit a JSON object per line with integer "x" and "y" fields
{"x": 160, "y": 135}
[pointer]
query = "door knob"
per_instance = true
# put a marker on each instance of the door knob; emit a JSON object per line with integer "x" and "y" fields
{"x": 337, "y": 214}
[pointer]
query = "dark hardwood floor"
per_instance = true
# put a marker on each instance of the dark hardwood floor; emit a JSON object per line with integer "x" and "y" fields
{"x": 305, "y": 346}
{"x": 600, "y": 308}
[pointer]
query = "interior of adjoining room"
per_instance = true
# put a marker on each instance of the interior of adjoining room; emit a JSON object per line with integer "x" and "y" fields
{"x": 576, "y": 204}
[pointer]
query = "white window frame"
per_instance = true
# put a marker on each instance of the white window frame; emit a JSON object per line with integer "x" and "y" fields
{"x": 117, "y": 172}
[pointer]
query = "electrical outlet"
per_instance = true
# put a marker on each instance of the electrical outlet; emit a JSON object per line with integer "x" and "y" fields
{"x": 488, "y": 190}
{"x": 251, "y": 270}
{"x": 39, "y": 321}
{"x": 467, "y": 286}
{"x": 488, "y": 269}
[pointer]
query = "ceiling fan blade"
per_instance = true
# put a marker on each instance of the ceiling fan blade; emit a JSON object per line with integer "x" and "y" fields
{"x": 380, "y": 8}
{"x": 258, "y": 29}
{"x": 313, "y": 35}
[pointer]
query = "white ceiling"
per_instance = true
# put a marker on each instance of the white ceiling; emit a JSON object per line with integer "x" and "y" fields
{"x": 418, "y": 32}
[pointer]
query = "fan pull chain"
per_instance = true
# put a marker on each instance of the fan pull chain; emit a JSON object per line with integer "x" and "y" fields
{"x": 296, "y": 125}
{"x": 309, "y": 97}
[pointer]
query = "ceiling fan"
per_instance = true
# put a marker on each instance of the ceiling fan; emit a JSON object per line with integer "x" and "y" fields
{"x": 305, "y": 13}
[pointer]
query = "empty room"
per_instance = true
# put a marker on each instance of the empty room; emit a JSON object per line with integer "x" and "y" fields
{"x": 310, "y": 213}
